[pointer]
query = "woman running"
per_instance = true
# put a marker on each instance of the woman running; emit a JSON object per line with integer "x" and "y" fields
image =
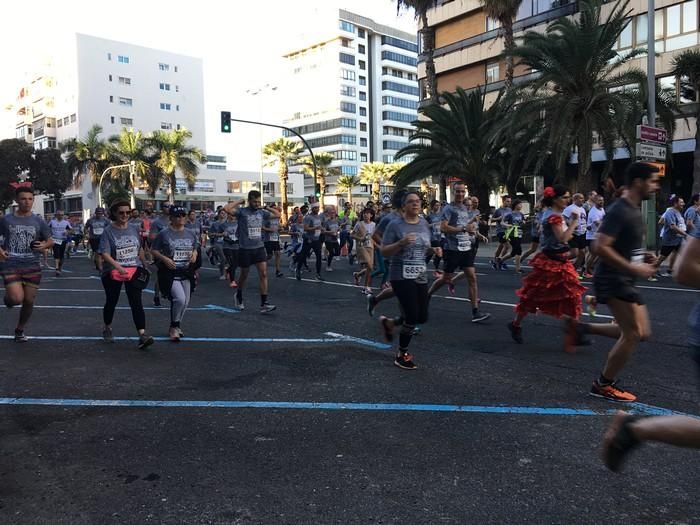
{"x": 120, "y": 247}
{"x": 175, "y": 250}
{"x": 514, "y": 232}
{"x": 535, "y": 230}
{"x": 362, "y": 233}
{"x": 553, "y": 286}
{"x": 406, "y": 243}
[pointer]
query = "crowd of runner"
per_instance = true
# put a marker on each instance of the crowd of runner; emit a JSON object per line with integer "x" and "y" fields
{"x": 573, "y": 237}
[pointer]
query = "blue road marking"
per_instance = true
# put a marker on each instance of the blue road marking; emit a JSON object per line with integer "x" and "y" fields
{"x": 222, "y": 309}
{"x": 636, "y": 408}
{"x": 206, "y": 308}
{"x": 365, "y": 342}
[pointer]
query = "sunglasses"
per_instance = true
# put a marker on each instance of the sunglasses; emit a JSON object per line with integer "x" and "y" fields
{"x": 123, "y": 212}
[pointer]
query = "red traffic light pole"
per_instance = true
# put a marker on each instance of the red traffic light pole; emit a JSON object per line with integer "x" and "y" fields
{"x": 290, "y": 130}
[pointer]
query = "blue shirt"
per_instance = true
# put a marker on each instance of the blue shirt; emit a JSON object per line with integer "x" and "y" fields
{"x": 672, "y": 217}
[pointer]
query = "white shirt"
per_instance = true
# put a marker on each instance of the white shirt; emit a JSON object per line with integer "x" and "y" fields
{"x": 595, "y": 218}
{"x": 581, "y": 226}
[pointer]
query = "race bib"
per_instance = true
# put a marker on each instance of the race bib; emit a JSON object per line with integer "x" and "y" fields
{"x": 413, "y": 271}
{"x": 274, "y": 236}
{"x": 253, "y": 233}
{"x": 638, "y": 256}
{"x": 58, "y": 242}
{"x": 97, "y": 231}
{"x": 181, "y": 255}
{"x": 317, "y": 234}
{"x": 436, "y": 229}
{"x": 127, "y": 256}
{"x": 464, "y": 243}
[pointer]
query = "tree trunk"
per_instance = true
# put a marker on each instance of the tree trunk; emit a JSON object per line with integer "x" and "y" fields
{"x": 350, "y": 195}
{"x": 284, "y": 175}
{"x": 443, "y": 188}
{"x": 321, "y": 177}
{"x": 173, "y": 188}
{"x": 584, "y": 181}
{"x": 509, "y": 43}
{"x": 375, "y": 191}
{"x": 696, "y": 155}
{"x": 428, "y": 38}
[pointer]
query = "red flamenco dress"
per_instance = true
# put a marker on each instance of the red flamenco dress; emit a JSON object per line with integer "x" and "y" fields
{"x": 553, "y": 286}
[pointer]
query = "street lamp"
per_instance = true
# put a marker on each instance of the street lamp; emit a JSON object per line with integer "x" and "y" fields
{"x": 255, "y": 92}
{"x": 132, "y": 169}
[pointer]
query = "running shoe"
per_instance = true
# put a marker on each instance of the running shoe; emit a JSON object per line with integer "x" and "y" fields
{"x": 588, "y": 275}
{"x": 493, "y": 265}
{"x": 503, "y": 267}
{"x": 20, "y": 337}
{"x": 145, "y": 341}
{"x": 516, "y": 332}
{"x": 279, "y": 274}
{"x": 179, "y": 331}
{"x": 174, "y": 335}
{"x": 666, "y": 274}
{"x": 222, "y": 278}
{"x": 297, "y": 273}
{"x": 611, "y": 392}
{"x": 57, "y": 274}
{"x": 233, "y": 284}
{"x": 329, "y": 269}
{"x": 618, "y": 441}
{"x": 387, "y": 328}
{"x": 417, "y": 330}
{"x": 107, "y": 335}
{"x": 156, "y": 300}
{"x": 451, "y": 288}
{"x": 238, "y": 304}
{"x": 480, "y": 316}
{"x": 405, "y": 361}
{"x": 356, "y": 278}
{"x": 266, "y": 308}
{"x": 653, "y": 279}
{"x": 371, "y": 304}
{"x": 319, "y": 278}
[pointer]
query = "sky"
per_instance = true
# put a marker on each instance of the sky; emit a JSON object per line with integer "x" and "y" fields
{"x": 240, "y": 42}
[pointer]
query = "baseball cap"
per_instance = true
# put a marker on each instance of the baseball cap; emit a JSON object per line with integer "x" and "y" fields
{"x": 316, "y": 205}
{"x": 99, "y": 209}
{"x": 177, "y": 211}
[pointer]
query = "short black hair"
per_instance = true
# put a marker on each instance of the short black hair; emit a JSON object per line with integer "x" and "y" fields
{"x": 253, "y": 194}
{"x": 639, "y": 170}
{"x": 397, "y": 198}
{"x": 695, "y": 198}
{"x": 23, "y": 189}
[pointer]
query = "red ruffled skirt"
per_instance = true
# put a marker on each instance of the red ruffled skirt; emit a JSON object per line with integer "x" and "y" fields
{"x": 552, "y": 288}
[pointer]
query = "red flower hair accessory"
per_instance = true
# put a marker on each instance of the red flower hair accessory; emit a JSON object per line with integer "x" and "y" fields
{"x": 549, "y": 192}
{"x": 25, "y": 184}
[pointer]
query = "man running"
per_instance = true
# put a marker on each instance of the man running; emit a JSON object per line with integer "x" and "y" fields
{"x": 24, "y": 236}
{"x": 60, "y": 233}
{"x": 503, "y": 245}
{"x": 312, "y": 241}
{"x": 596, "y": 214}
{"x": 434, "y": 219}
{"x": 347, "y": 221}
{"x": 673, "y": 232}
{"x": 623, "y": 259}
{"x": 271, "y": 227}
{"x": 331, "y": 226}
{"x": 578, "y": 240}
{"x": 459, "y": 224}
{"x": 158, "y": 225}
{"x": 692, "y": 216}
{"x": 252, "y": 249}
{"x": 94, "y": 228}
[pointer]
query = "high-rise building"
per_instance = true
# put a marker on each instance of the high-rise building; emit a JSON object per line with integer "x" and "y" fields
{"x": 353, "y": 92}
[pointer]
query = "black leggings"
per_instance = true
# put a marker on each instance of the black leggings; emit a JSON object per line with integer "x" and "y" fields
{"x": 413, "y": 299}
{"x": 231, "y": 261}
{"x": 434, "y": 244}
{"x": 306, "y": 251}
{"x": 112, "y": 291}
{"x": 333, "y": 250}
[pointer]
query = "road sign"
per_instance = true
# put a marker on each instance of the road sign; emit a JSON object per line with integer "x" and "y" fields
{"x": 661, "y": 166}
{"x": 651, "y": 134}
{"x": 386, "y": 198}
{"x": 651, "y": 151}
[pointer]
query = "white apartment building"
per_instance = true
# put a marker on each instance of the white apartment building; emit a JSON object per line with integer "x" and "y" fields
{"x": 353, "y": 92}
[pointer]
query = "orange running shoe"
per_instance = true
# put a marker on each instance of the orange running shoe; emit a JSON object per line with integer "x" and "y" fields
{"x": 611, "y": 392}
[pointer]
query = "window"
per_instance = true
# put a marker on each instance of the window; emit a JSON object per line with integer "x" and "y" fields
{"x": 177, "y": 107}
{"x": 323, "y": 126}
{"x": 690, "y": 19}
{"x": 641, "y": 27}
{"x": 673, "y": 20}
{"x": 166, "y": 125}
{"x": 493, "y": 73}
{"x": 363, "y": 81}
{"x": 73, "y": 117}
{"x": 332, "y": 140}
{"x": 401, "y": 88}
{"x": 363, "y": 142}
{"x": 348, "y": 170}
{"x": 397, "y": 132}
{"x": 401, "y": 59}
{"x": 165, "y": 106}
{"x": 492, "y": 23}
{"x": 163, "y": 67}
{"x": 393, "y": 144}
{"x": 215, "y": 167}
{"x": 123, "y": 59}
{"x": 363, "y": 157}
{"x": 111, "y": 99}
{"x": 123, "y": 101}
{"x": 400, "y": 117}
{"x": 345, "y": 58}
{"x": 59, "y": 123}
{"x": 362, "y": 65}
{"x": 401, "y": 44}
{"x": 363, "y": 95}
{"x": 177, "y": 88}
{"x": 363, "y": 112}
{"x": 361, "y": 49}
{"x": 65, "y": 121}
{"x": 125, "y": 81}
{"x": 175, "y": 69}
{"x": 344, "y": 155}
{"x": 360, "y": 33}
{"x": 625, "y": 39}
{"x": 110, "y": 77}
{"x": 164, "y": 87}
{"x": 388, "y": 159}
{"x": 177, "y": 126}
{"x": 126, "y": 121}
{"x": 348, "y": 107}
{"x": 345, "y": 42}
{"x": 347, "y": 26}
{"x": 363, "y": 126}
{"x": 233, "y": 186}
{"x": 401, "y": 102}
{"x": 347, "y": 74}
{"x": 111, "y": 119}
{"x": 347, "y": 91}
{"x": 109, "y": 56}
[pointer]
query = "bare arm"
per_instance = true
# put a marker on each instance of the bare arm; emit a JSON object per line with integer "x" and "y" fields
{"x": 166, "y": 260}
{"x": 688, "y": 264}
{"x": 233, "y": 206}
{"x": 603, "y": 248}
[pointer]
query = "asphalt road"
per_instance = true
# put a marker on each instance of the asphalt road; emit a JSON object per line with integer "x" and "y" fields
{"x": 299, "y": 416}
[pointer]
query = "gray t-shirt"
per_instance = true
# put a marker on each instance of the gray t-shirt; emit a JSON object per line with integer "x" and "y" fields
{"x": 59, "y": 230}
{"x": 457, "y": 215}
{"x": 409, "y": 262}
{"x": 178, "y": 246}
{"x": 274, "y": 224}
{"x": 159, "y": 224}
{"x": 315, "y": 221}
{"x": 215, "y": 229}
{"x": 331, "y": 225}
{"x": 230, "y": 231}
{"x": 95, "y": 226}
{"x": 501, "y": 213}
{"x": 692, "y": 215}
{"x": 195, "y": 226}
{"x": 669, "y": 237}
{"x": 18, "y": 234}
{"x": 250, "y": 223}
{"x": 123, "y": 246}
{"x": 435, "y": 221}
{"x": 384, "y": 222}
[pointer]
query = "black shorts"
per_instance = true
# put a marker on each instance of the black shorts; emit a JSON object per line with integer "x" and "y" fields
{"x": 578, "y": 242}
{"x": 59, "y": 250}
{"x": 516, "y": 246}
{"x": 501, "y": 236}
{"x": 272, "y": 247}
{"x": 95, "y": 245}
{"x": 606, "y": 289}
{"x": 249, "y": 257}
{"x": 668, "y": 250}
{"x": 455, "y": 259}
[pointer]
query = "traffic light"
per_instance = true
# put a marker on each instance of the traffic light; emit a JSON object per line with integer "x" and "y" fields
{"x": 225, "y": 122}
{"x": 317, "y": 190}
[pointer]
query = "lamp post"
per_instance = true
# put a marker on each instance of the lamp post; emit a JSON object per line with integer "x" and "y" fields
{"x": 255, "y": 93}
{"x": 132, "y": 168}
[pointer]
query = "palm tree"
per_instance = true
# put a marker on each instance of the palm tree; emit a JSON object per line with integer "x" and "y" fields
{"x": 427, "y": 33}
{"x": 456, "y": 140}
{"x": 88, "y": 156}
{"x": 323, "y": 169}
{"x": 376, "y": 174}
{"x": 172, "y": 154}
{"x": 504, "y": 11}
{"x": 686, "y": 66}
{"x": 347, "y": 183}
{"x": 130, "y": 145}
{"x": 282, "y": 152}
{"x": 574, "y": 95}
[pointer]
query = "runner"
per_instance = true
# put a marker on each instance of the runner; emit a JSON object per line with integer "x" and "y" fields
{"x": 596, "y": 214}
{"x": 216, "y": 240}
{"x": 626, "y": 431}
{"x": 175, "y": 248}
{"x": 591, "y": 202}
{"x": 347, "y": 221}
{"x": 158, "y": 225}
{"x": 406, "y": 243}
{"x": 60, "y": 233}
{"x": 459, "y": 224}
{"x": 271, "y": 229}
{"x": 535, "y": 230}
{"x": 434, "y": 218}
{"x": 578, "y": 239}
{"x": 94, "y": 227}
{"x": 231, "y": 247}
{"x": 362, "y": 233}
{"x": 692, "y": 216}
{"x": 553, "y": 286}
{"x": 619, "y": 245}
{"x": 514, "y": 223}
{"x": 673, "y": 231}
{"x": 503, "y": 246}
{"x": 24, "y": 236}
{"x": 331, "y": 226}
{"x": 312, "y": 241}
{"x": 120, "y": 246}
{"x": 252, "y": 249}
